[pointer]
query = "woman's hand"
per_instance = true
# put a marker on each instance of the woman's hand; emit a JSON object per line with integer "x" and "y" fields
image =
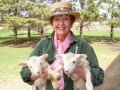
{"x": 79, "y": 70}
{"x": 33, "y": 77}
{"x": 42, "y": 75}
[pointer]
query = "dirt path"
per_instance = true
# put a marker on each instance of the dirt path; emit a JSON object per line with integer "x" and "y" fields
{"x": 112, "y": 73}
{"x": 112, "y": 76}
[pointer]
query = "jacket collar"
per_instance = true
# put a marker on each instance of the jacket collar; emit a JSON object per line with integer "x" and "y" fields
{"x": 74, "y": 38}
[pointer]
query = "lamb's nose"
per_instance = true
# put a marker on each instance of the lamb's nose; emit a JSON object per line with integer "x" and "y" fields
{"x": 67, "y": 71}
{"x": 38, "y": 73}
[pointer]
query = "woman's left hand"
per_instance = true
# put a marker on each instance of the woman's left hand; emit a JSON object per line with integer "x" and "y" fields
{"x": 79, "y": 70}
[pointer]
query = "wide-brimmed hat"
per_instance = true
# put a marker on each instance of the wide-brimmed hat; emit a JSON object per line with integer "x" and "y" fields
{"x": 60, "y": 8}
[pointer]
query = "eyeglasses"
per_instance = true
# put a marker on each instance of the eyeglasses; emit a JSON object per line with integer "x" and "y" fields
{"x": 64, "y": 19}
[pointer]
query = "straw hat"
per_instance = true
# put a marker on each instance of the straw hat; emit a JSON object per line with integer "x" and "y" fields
{"x": 60, "y": 8}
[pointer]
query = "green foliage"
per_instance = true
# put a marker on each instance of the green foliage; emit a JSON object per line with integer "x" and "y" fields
{"x": 112, "y": 12}
{"x": 89, "y": 10}
{"x": 18, "y": 14}
{"x": 115, "y": 22}
{"x": 14, "y": 21}
{"x": 13, "y": 11}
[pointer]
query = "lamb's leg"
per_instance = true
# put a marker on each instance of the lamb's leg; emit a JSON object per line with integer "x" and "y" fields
{"x": 52, "y": 74}
{"x": 37, "y": 88}
{"x": 39, "y": 84}
{"x": 57, "y": 71}
{"x": 89, "y": 84}
{"x": 58, "y": 68}
{"x": 85, "y": 64}
{"x": 55, "y": 85}
{"x": 80, "y": 84}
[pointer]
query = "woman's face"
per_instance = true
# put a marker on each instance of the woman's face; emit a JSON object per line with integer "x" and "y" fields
{"x": 62, "y": 24}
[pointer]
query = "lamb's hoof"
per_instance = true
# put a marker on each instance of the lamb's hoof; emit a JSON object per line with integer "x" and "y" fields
{"x": 57, "y": 77}
{"x": 37, "y": 88}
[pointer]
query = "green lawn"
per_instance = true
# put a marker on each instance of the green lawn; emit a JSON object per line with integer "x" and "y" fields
{"x": 9, "y": 59}
{"x": 99, "y": 34}
{"x": 87, "y": 34}
{"x": 11, "y": 56}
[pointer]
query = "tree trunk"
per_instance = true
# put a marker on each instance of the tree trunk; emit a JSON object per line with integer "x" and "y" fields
{"x": 29, "y": 34}
{"x": 81, "y": 22}
{"x": 81, "y": 29}
{"x": 39, "y": 30}
{"x": 15, "y": 35}
{"x": 111, "y": 33}
{"x": 42, "y": 33}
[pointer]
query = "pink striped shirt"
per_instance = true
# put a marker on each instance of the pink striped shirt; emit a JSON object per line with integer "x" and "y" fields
{"x": 60, "y": 49}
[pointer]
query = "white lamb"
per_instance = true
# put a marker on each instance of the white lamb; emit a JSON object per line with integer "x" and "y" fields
{"x": 71, "y": 62}
{"x": 36, "y": 64}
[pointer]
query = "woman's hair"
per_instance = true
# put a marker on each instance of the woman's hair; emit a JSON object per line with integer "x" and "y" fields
{"x": 71, "y": 17}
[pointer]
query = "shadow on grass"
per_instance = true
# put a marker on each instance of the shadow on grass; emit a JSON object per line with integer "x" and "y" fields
{"x": 6, "y": 38}
{"x": 23, "y": 41}
{"x": 99, "y": 38}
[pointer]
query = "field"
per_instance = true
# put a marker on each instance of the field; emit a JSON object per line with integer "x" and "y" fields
{"x": 108, "y": 54}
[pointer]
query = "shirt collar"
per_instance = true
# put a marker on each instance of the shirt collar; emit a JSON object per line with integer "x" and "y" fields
{"x": 73, "y": 37}
{"x": 65, "y": 42}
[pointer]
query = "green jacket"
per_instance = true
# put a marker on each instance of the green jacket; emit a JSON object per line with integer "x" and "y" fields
{"x": 46, "y": 46}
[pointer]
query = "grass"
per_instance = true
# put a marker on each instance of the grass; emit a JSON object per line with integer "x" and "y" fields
{"x": 9, "y": 59}
{"x": 6, "y": 35}
{"x": 99, "y": 34}
{"x": 11, "y": 56}
{"x": 9, "y": 69}
{"x": 87, "y": 34}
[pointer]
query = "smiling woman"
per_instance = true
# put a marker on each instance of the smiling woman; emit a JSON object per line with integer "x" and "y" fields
{"x": 61, "y": 25}
{"x": 62, "y": 41}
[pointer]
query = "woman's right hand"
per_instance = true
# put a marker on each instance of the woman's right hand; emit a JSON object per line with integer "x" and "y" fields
{"x": 33, "y": 77}
{"x": 42, "y": 75}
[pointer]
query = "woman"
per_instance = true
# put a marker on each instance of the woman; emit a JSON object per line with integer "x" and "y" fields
{"x": 62, "y": 40}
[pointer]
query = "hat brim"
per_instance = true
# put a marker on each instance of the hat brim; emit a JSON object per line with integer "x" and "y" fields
{"x": 75, "y": 14}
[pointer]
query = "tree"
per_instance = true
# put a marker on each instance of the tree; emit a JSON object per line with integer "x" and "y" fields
{"x": 89, "y": 10}
{"x": 11, "y": 13}
{"x": 16, "y": 14}
{"x": 14, "y": 23}
{"x": 35, "y": 13}
{"x": 112, "y": 14}
{"x": 89, "y": 13}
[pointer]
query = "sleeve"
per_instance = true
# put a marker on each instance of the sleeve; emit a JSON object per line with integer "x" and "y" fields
{"x": 98, "y": 76}
{"x": 25, "y": 72}
{"x": 98, "y": 73}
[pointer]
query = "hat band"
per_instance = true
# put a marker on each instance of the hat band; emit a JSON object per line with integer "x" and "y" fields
{"x": 61, "y": 10}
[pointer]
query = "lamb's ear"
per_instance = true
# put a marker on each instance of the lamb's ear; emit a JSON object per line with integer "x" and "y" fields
{"x": 23, "y": 64}
{"x": 59, "y": 56}
{"x": 44, "y": 56}
{"x": 82, "y": 55}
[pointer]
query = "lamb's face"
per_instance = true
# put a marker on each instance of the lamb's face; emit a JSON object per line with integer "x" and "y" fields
{"x": 70, "y": 61}
{"x": 35, "y": 65}
{"x": 69, "y": 64}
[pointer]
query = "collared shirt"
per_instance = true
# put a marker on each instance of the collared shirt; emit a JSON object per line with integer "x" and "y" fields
{"x": 60, "y": 49}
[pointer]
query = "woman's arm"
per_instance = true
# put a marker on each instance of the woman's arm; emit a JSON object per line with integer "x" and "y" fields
{"x": 97, "y": 72}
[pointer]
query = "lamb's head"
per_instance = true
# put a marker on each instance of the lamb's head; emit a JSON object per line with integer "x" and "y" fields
{"x": 35, "y": 64}
{"x": 70, "y": 61}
